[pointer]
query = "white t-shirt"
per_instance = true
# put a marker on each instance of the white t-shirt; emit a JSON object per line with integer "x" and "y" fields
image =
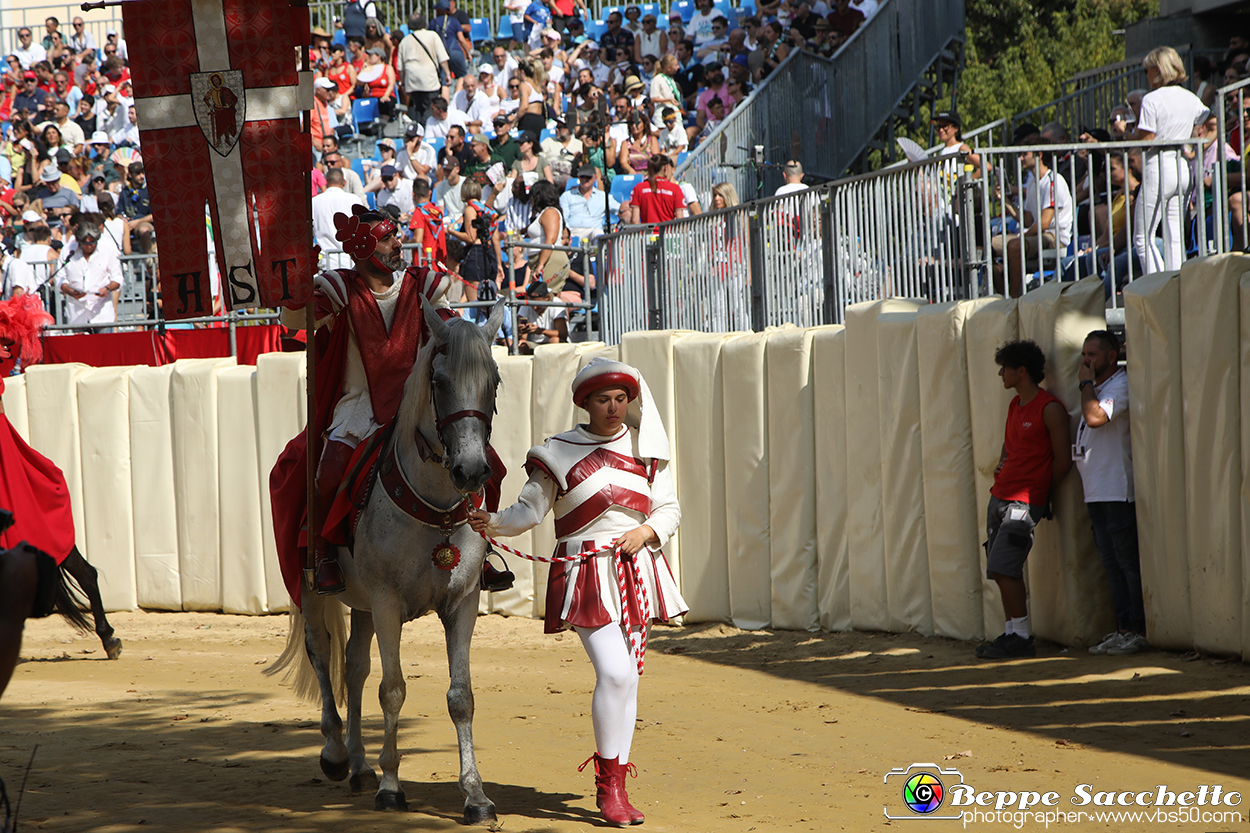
{"x": 16, "y": 274}
{"x": 91, "y": 276}
{"x": 789, "y": 188}
{"x": 868, "y": 7}
{"x": 1054, "y": 193}
{"x": 1107, "y": 468}
{"x": 435, "y": 129}
{"x": 1171, "y": 113}
{"x": 700, "y": 27}
{"x": 479, "y": 109}
{"x": 325, "y": 205}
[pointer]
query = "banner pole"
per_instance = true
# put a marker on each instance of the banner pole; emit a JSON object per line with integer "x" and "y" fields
{"x": 310, "y": 351}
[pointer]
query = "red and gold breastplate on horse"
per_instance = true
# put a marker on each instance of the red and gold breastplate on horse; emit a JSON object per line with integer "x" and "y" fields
{"x": 593, "y": 475}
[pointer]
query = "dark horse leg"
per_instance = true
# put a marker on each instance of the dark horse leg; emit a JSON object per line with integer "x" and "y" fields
{"x": 86, "y": 576}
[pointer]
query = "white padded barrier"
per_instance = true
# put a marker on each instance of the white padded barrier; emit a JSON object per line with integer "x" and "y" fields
{"x": 864, "y": 532}
{"x": 988, "y": 325}
{"x": 700, "y": 419}
{"x": 157, "y": 573}
{"x": 241, "y": 518}
{"x": 52, "y": 408}
{"x": 512, "y": 436}
{"x": 281, "y": 405}
{"x": 791, "y": 479}
{"x": 1244, "y": 291}
{"x": 745, "y": 449}
{"x": 833, "y": 596}
{"x": 1211, "y": 387}
{"x": 1152, "y": 318}
{"x": 104, "y": 414}
{"x": 908, "y": 595}
{"x": 652, "y": 353}
{"x": 1069, "y": 599}
{"x": 194, "y": 391}
{"x": 949, "y": 474}
{"x": 14, "y": 398}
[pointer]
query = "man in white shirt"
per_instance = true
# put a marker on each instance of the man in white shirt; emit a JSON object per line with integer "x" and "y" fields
{"x": 1103, "y": 454}
{"x": 700, "y": 26}
{"x": 1047, "y": 207}
{"x": 447, "y": 191}
{"x": 442, "y": 118}
{"x": 868, "y": 7}
{"x": 333, "y": 200}
{"x": 473, "y": 103}
{"x": 395, "y": 191}
{"x": 28, "y": 52}
{"x": 505, "y": 66}
{"x": 71, "y": 133}
{"x": 17, "y": 278}
{"x": 111, "y": 38}
{"x": 129, "y": 133}
{"x": 417, "y": 159}
{"x": 80, "y": 40}
{"x": 110, "y": 115}
{"x": 91, "y": 276}
{"x": 792, "y": 173}
{"x": 560, "y": 151}
{"x": 422, "y": 56}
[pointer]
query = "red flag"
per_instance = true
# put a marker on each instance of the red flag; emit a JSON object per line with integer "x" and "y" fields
{"x": 218, "y": 94}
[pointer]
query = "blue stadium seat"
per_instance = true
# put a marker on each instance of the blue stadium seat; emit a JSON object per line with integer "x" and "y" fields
{"x": 436, "y": 143}
{"x": 653, "y": 8}
{"x": 723, "y": 7}
{"x": 685, "y": 8}
{"x": 681, "y": 157}
{"x": 505, "y": 26}
{"x": 570, "y": 183}
{"x": 364, "y": 111}
{"x": 747, "y": 6}
{"x": 607, "y": 10}
{"x": 547, "y": 133}
{"x": 595, "y": 29}
{"x": 358, "y": 165}
{"x": 623, "y": 186}
{"x": 372, "y": 199}
{"x": 479, "y": 30}
{"x": 340, "y": 37}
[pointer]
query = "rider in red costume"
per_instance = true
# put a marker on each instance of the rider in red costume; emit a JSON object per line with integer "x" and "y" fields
{"x": 369, "y": 327}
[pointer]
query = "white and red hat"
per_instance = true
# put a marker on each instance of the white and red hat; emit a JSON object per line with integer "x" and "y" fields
{"x": 641, "y": 415}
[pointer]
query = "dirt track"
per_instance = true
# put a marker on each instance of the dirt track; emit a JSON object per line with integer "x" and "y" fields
{"x": 738, "y": 731}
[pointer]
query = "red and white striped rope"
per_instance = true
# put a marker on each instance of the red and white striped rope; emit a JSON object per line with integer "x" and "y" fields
{"x": 638, "y": 637}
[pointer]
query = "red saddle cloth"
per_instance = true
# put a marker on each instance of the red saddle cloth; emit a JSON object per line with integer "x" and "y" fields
{"x": 34, "y": 490}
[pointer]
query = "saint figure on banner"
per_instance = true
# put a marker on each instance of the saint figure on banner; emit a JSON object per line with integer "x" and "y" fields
{"x": 222, "y": 103}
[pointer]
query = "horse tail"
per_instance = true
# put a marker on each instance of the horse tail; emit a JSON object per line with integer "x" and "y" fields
{"x": 68, "y": 601}
{"x": 293, "y": 660}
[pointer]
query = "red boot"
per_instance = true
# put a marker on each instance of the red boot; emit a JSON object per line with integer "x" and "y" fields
{"x": 332, "y": 468}
{"x": 610, "y": 790}
{"x": 635, "y": 815}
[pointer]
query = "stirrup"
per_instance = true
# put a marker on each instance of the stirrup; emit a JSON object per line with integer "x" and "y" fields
{"x": 495, "y": 580}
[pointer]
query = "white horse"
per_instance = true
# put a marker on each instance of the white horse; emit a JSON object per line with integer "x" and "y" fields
{"x": 404, "y": 564}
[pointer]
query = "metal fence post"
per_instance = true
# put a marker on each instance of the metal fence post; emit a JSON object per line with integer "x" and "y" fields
{"x": 968, "y": 234}
{"x": 655, "y": 308}
{"x": 832, "y": 313}
{"x": 755, "y": 232}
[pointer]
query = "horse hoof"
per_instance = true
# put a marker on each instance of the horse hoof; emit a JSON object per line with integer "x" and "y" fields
{"x": 334, "y": 771}
{"x": 390, "y": 800}
{"x": 483, "y": 814}
{"x": 363, "y": 781}
{"x": 113, "y": 647}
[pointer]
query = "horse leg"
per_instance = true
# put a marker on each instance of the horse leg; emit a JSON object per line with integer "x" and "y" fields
{"x": 458, "y": 627}
{"x": 87, "y": 578}
{"x": 363, "y": 777}
{"x": 318, "y": 645}
{"x": 392, "y": 692}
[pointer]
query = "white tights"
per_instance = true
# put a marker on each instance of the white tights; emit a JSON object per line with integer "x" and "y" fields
{"x": 615, "y": 704}
{"x": 1165, "y": 184}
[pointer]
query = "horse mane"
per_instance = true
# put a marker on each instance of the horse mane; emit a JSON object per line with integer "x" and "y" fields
{"x": 467, "y": 359}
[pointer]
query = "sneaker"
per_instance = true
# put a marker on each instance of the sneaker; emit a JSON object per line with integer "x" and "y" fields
{"x": 1008, "y": 646}
{"x": 1132, "y": 643}
{"x": 1111, "y": 640}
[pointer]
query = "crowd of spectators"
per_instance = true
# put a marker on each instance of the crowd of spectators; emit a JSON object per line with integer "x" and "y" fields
{"x": 73, "y": 195}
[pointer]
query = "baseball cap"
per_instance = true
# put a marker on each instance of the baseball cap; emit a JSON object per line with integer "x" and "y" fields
{"x": 51, "y": 173}
{"x": 62, "y": 156}
{"x": 481, "y": 137}
{"x": 110, "y": 31}
{"x": 413, "y": 131}
{"x": 31, "y": 216}
{"x": 674, "y": 15}
{"x": 551, "y": 34}
{"x": 442, "y": 5}
{"x": 741, "y": 60}
{"x": 325, "y": 84}
{"x": 536, "y": 289}
{"x": 30, "y": 76}
{"x": 386, "y": 143}
{"x": 499, "y": 119}
{"x": 388, "y": 171}
{"x": 947, "y": 116}
{"x": 100, "y": 138}
{"x": 587, "y": 170}
{"x": 590, "y": 44}
{"x": 527, "y": 136}
{"x": 485, "y": 68}
{"x": 109, "y": 88}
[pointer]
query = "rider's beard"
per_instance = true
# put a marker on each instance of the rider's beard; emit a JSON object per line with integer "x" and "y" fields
{"x": 394, "y": 261}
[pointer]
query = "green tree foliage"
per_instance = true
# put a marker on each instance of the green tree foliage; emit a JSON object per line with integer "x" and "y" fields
{"x": 1019, "y": 52}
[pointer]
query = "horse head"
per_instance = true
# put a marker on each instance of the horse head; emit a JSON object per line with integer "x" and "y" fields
{"x": 463, "y": 379}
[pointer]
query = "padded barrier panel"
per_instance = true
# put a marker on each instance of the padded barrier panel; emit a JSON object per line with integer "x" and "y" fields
{"x": 1152, "y": 318}
{"x": 833, "y": 595}
{"x": 552, "y": 412}
{"x": 1210, "y": 385}
{"x": 791, "y": 479}
{"x": 697, "y": 444}
{"x": 950, "y": 495}
{"x": 193, "y": 393}
{"x": 240, "y": 518}
{"x": 1069, "y": 599}
{"x": 281, "y": 402}
{"x": 864, "y": 534}
{"x": 512, "y": 436}
{"x": 745, "y": 449}
{"x": 52, "y": 408}
{"x": 104, "y": 414}
{"x": 157, "y": 576}
{"x": 1244, "y": 290}
{"x": 14, "y": 399}
{"x": 989, "y": 324}
{"x": 589, "y": 350}
{"x": 902, "y": 476}
{"x": 652, "y": 353}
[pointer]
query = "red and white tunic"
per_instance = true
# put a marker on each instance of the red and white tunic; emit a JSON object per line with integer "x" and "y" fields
{"x": 599, "y": 489}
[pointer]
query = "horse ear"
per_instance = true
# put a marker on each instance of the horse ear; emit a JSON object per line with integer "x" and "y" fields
{"x": 438, "y": 327}
{"x": 492, "y": 325}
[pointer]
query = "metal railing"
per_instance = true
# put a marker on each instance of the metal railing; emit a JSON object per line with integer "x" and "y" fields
{"x": 1231, "y": 232}
{"x": 801, "y": 110}
{"x": 97, "y": 22}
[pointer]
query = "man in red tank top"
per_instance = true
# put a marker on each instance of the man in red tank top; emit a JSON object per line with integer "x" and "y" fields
{"x": 1036, "y": 456}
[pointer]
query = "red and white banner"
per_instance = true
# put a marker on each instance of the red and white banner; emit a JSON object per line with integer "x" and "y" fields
{"x": 218, "y": 93}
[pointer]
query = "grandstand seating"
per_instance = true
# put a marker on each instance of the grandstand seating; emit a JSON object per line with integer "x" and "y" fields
{"x": 623, "y": 186}
{"x": 683, "y": 7}
{"x": 479, "y": 30}
{"x": 596, "y": 28}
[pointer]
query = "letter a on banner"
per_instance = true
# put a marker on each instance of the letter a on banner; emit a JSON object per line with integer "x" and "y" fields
{"x": 218, "y": 94}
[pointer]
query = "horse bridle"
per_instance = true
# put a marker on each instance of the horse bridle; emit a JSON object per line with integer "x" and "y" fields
{"x": 441, "y": 422}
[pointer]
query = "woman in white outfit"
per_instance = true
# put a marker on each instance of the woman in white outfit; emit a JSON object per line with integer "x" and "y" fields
{"x": 1168, "y": 112}
{"x": 609, "y": 485}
